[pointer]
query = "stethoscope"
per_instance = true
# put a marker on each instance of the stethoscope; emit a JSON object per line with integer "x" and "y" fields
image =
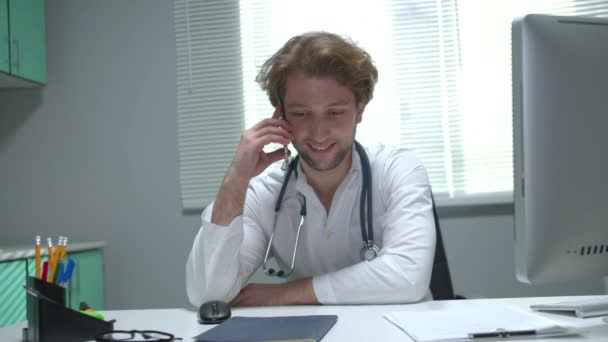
{"x": 369, "y": 251}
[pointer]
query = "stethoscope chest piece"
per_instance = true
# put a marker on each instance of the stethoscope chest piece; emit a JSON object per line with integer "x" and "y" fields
{"x": 369, "y": 252}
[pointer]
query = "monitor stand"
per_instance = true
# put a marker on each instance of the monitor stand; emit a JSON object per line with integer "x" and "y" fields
{"x": 582, "y": 308}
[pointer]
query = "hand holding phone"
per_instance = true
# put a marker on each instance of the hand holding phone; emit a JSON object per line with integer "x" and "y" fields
{"x": 285, "y": 165}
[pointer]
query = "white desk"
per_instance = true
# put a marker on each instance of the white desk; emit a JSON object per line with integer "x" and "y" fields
{"x": 355, "y": 323}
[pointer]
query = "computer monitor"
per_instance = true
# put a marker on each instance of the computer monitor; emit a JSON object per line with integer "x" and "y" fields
{"x": 560, "y": 147}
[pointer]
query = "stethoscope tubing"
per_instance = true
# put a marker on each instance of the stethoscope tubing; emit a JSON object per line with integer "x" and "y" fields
{"x": 367, "y": 230}
{"x": 366, "y": 197}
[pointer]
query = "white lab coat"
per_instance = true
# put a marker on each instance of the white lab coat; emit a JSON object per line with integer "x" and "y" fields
{"x": 223, "y": 259}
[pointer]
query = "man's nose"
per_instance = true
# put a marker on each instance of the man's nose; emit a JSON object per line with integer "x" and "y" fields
{"x": 319, "y": 128}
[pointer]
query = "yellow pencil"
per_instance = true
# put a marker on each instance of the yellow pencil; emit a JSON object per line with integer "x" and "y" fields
{"x": 38, "y": 271}
{"x": 57, "y": 256}
{"x": 59, "y": 249}
{"x": 52, "y": 260}
{"x": 64, "y": 248}
{"x": 50, "y": 249}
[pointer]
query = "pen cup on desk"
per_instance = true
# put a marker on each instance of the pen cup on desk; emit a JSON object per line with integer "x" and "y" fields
{"x": 50, "y": 320}
{"x": 51, "y": 291}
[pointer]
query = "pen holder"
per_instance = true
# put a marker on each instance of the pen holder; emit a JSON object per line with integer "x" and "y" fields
{"x": 50, "y": 321}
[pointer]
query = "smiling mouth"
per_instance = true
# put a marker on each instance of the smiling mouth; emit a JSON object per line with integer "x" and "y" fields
{"x": 320, "y": 148}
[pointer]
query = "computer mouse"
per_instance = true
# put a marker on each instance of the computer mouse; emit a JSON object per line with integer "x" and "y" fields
{"x": 213, "y": 312}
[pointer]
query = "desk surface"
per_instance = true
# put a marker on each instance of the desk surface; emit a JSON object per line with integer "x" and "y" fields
{"x": 355, "y": 322}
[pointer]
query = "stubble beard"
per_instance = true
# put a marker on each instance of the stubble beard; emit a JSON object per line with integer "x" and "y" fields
{"x": 332, "y": 164}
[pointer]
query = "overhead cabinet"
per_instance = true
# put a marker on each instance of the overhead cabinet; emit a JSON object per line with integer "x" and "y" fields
{"x": 22, "y": 43}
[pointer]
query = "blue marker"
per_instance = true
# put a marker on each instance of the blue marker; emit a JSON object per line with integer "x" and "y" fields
{"x": 66, "y": 275}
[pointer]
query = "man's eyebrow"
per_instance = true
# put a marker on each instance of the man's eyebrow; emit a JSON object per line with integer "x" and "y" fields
{"x": 294, "y": 104}
{"x": 340, "y": 103}
{"x": 335, "y": 103}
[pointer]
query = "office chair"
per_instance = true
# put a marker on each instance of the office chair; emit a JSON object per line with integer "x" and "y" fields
{"x": 441, "y": 281}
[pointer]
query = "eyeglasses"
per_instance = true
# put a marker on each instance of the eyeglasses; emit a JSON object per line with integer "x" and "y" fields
{"x": 136, "y": 336}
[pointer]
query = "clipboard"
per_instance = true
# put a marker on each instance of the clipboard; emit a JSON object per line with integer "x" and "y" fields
{"x": 474, "y": 322}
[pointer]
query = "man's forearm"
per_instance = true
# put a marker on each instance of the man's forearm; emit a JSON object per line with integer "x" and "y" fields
{"x": 300, "y": 292}
{"x": 230, "y": 200}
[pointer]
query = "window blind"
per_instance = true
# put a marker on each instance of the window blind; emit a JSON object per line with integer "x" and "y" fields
{"x": 444, "y": 86}
{"x": 209, "y": 95}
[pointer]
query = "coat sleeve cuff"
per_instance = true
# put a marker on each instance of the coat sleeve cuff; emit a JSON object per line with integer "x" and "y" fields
{"x": 323, "y": 290}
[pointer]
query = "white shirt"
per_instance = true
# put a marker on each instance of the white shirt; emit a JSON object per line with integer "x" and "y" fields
{"x": 222, "y": 259}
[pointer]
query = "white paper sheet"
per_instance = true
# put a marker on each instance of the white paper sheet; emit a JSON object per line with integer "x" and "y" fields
{"x": 456, "y": 325}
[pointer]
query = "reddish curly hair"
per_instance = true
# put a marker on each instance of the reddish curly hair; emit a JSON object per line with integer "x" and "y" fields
{"x": 320, "y": 54}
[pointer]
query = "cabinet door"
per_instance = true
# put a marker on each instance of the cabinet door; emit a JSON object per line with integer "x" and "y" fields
{"x": 4, "y": 42}
{"x": 87, "y": 281}
{"x": 12, "y": 294}
{"x": 27, "y": 39}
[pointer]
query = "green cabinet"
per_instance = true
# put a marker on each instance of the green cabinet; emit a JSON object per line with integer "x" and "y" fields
{"x": 4, "y": 41}
{"x": 12, "y": 294}
{"x": 87, "y": 281}
{"x": 24, "y": 41}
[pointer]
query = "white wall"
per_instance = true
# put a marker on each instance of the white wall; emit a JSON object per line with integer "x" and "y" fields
{"x": 481, "y": 257}
{"x": 93, "y": 155}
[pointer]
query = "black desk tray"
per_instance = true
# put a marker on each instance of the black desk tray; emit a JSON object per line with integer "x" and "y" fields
{"x": 52, "y": 321}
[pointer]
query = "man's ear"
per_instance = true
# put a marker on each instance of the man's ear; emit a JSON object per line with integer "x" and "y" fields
{"x": 360, "y": 109}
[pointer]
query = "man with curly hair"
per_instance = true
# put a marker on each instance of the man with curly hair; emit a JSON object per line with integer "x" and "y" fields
{"x": 319, "y": 84}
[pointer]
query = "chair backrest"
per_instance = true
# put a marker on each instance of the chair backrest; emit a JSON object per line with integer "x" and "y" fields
{"x": 441, "y": 281}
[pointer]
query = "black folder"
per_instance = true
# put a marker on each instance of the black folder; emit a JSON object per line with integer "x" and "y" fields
{"x": 283, "y": 328}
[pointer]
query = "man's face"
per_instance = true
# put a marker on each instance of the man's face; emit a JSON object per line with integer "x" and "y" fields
{"x": 324, "y": 117}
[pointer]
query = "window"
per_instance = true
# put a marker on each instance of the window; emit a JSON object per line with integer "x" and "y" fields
{"x": 444, "y": 86}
